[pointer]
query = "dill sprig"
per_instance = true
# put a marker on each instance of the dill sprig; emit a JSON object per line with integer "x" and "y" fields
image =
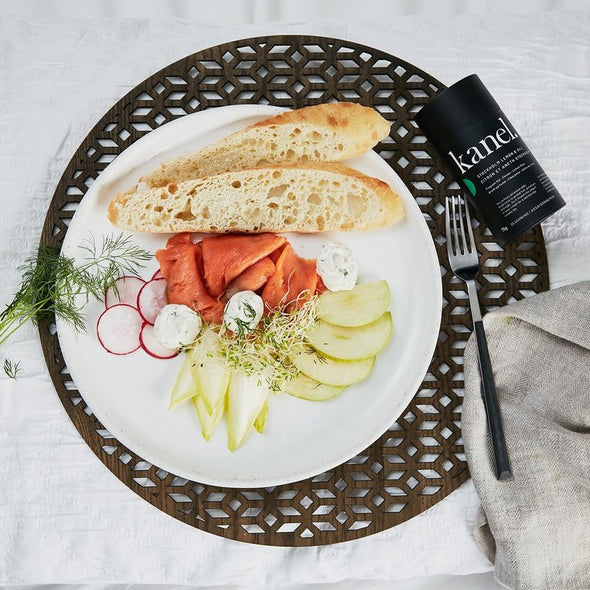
{"x": 104, "y": 263}
{"x": 264, "y": 350}
{"x": 310, "y": 349}
{"x": 11, "y": 368}
{"x": 53, "y": 284}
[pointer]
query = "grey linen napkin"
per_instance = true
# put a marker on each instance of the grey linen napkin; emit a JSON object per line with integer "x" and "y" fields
{"x": 536, "y": 528}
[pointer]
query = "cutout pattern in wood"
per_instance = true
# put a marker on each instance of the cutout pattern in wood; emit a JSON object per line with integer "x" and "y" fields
{"x": 420, "y": 459}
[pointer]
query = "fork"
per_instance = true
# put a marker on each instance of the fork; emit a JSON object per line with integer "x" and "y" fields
{"x": 464, "y": 262}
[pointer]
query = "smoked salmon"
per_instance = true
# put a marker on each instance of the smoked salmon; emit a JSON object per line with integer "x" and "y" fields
{"x": 226, "y": 257}
{"x": 179, "y": 240}
{"x": 293, "y": 282}
{"x": 179, "y": 264}
{"x": 252, "y": 279}
{"x": 205, "y": 275}
{"x": 168, "y": 256}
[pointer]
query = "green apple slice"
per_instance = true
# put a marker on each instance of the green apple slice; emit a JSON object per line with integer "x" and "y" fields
{"x": 184, "y": 386}
{"x": 327, "y": 370}
{"x": 260, "y": 421}
{"x": 357, "y": 307}
{"x": 351, "y": 343}
{"x": 246, "y": 397}
{"x": 208, "y": 421}
{"x": 305, "y": 387}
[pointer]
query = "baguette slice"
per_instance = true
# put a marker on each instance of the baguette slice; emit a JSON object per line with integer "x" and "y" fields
{"x": 306, "y": 198}
{"x": 324, "y": 133}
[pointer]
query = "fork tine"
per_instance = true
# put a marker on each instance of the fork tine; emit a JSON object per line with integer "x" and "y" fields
{"x": 469, "y": 228}
{"x": 463, "y": 237}
{"x": 455, "y": 231}
{"x": 448, "y": 227}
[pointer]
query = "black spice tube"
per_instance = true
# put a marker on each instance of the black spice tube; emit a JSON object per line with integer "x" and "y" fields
{"x": 506, "y": 184}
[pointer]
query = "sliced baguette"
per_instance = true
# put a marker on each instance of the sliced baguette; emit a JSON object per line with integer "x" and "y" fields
{"x": 324, "y": 133}
{"x": 311, "y": 197}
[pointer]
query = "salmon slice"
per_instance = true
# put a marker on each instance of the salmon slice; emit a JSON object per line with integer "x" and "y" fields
{"x": 180, "y": 266}
{"x": 292, "y": 277}
{"x": 274, "y": 256}
{"x": 252, "y": 279}
{"x": 166, "y": 257}
{"x": 181, "y": 239}
{"x": 199, "y": 255}
{"x": 226, "y": 257}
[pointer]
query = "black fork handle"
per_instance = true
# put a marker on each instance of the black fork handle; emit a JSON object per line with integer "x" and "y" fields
{"x": 490, "y": 399}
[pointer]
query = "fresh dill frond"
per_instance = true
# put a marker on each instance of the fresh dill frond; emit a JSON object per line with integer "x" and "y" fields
{"x": 53, "y": 284}
{"x": 249, "y": 311}
{"x": 11, "y": 368}
{"x": 116, "y": 256}
{"x": 309, "y": 349}
{"x": 243, "y": 326}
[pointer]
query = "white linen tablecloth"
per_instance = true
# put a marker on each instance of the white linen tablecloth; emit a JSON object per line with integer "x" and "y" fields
{"x": 63, "y": 517}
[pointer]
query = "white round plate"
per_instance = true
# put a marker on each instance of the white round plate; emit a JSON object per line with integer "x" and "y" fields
{"x": 130, "y": 394}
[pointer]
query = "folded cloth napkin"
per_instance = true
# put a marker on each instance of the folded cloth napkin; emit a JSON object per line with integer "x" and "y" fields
{"x": 536, "y": 527}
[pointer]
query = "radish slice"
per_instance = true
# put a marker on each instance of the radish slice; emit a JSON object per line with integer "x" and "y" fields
{"x": 152, "y": 346}
{"x": 118, "y": 329}
{"x": 125, "y": 291}
{"x": 151, "y": 299}
{"x": 158, "y": 275}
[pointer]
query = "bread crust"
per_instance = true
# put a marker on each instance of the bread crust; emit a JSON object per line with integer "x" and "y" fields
{"x": 362, "y": 126}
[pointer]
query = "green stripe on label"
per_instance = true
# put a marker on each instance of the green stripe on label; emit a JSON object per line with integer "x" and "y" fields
{"x": 470, "y": 186}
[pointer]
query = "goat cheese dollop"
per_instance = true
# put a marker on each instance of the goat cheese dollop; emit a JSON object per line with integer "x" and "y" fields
{"x": 337, "y": 266}
{"x": 243, "y": 311}
{"x": 177, "y": 326}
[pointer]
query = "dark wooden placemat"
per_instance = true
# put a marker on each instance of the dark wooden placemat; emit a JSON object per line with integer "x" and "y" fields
{"x": 420, "y": 459}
